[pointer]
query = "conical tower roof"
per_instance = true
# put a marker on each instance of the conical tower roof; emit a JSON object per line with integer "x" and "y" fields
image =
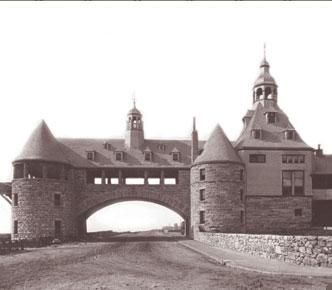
{"x": 42, "y": 145}
{"x": 218, "y": 149}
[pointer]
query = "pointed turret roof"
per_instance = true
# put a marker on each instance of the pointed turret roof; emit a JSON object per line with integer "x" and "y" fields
{"x": 218, "y": 149}
{"x": 42, "y": 145}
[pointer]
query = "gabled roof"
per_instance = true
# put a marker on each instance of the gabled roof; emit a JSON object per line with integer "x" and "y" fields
{"x": 218, "y": 149}
{"x": 273, "y": 135}
{"x": 42, "y": 145}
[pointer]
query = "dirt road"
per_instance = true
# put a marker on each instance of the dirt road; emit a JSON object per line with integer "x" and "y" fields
{"x": 133, "y": 265}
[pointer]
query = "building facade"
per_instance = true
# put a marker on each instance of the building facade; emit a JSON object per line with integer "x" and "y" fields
{"x": 267, "y": 181}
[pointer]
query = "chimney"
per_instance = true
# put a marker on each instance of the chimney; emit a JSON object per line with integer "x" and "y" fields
{"x": 319, "y": 151}
{"x": 194, "y": 142}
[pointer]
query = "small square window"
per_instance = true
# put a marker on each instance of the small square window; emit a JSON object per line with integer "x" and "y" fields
{"x": 202, "y": 174}
{"x": 298, "y": 212}
{"x": 175, "y": 156}
{"x": 256, "y": 133}
{"x": 147, "y": 156}
{"x": 202, "y": 194}
{"x": 271, "y": 117}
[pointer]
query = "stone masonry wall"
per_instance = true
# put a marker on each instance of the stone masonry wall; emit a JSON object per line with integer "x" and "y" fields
{"x": 276, "y": 214}
{"x": 36, "y": 212}
{"x": 300, "y": 250}
{"x": 222, "y": 204}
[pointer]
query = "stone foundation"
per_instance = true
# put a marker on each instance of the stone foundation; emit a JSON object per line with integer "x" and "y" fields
{"x": 300, "y": 250}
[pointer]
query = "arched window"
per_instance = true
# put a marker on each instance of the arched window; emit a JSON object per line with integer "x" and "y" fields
{"x": 259, "y": 92}
{"x": 267, "y": 94}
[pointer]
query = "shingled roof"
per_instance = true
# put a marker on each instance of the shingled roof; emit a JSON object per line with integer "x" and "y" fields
{"x": 218, "y": 149}
{"x": 273, "y": 134}
{"x": 42, "y": 145}
{"x": 75, "y": 151}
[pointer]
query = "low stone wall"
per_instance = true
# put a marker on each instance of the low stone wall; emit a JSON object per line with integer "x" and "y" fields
{"x": 300, "y": 250}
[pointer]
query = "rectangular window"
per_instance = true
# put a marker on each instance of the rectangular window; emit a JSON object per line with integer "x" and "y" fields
{"x": 15, "y": 201}
{"x": 256, "y": 133}
{"x": 298, "y": 212}
{"x": 134, "y": 181}
{"x": 15, "y": 227}
{"x": 293, "y": 158}
{"x": 154, "y": 180}
{"x": 170, "y": 181}
{"x": 298, "y": 182}
{"x": 202, "y": 194}
{"x": 241, "y": 174}
{"x": 241, "y": 194}
{"x": 147, "y": 156}
{"x": 118, "y": 156}
{"x": 286, "y": 183}
{"x": 257, "y": 158}
{"x": 202, "y": 174}
{"x": 90, "y": 155}
{"x": 292, "y": 182}
{"x": 98, "y": 180}
{"x": 114, "y": 180}
{"x": 202, "y": 217}
{"x": 57, "y": 199}
{"x": 242, "y": 217}
{"x": 57, "y": 228}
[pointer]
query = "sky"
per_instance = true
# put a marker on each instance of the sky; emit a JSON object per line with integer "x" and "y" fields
{"x": 76, "y": 65}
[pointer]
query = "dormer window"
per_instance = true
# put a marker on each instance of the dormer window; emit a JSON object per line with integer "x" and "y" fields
{"x": 91, "y": 155}
{"x": 271, "y": 117}
{"x": 107, "y": 146}
{"x": 162, "y": 147}
{"x": 175, "y": 154}
{"x": 119, "y": 155}
{"x": 290, "y": 134}
{"x": 256, "y": 133}
{"x": 147, "y": 154}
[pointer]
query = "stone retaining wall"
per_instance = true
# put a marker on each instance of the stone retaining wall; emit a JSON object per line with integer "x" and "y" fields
{"x": 300, "y": 250}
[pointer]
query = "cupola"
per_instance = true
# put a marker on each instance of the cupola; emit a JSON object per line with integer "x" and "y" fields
{"x": 265, "y": 87}
{"x": 134, "y": 138}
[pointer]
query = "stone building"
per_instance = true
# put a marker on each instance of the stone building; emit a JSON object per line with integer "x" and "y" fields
{"x": 267, "y": 181}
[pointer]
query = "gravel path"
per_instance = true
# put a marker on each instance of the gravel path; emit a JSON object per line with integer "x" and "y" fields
{"x": 133, "y": 265}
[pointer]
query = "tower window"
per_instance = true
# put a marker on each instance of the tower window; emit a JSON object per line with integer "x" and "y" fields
{"x": 241, "y": 174}
{"x": 268, "y": 92}
{"x": 57, "y": 228}
{"x": 202, "y": 194}
{"x": 256, "y": 133}
{"x": 91, "y": 155}
{"x": 298, "y": 212}
{"x": 259, "y": 92}
{"x": 15, "y": 201}
{"x": 15, "y": 230}
{"x": 202, "y": 217}
{"x": 271, "y": 117}
{"x": 57, "y": 199}
{"x": 202, "y": 174}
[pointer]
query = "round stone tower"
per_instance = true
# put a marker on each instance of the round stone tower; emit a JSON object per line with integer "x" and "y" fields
{"x": 217, "y": 187}
{"x": 42, "y": 195}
